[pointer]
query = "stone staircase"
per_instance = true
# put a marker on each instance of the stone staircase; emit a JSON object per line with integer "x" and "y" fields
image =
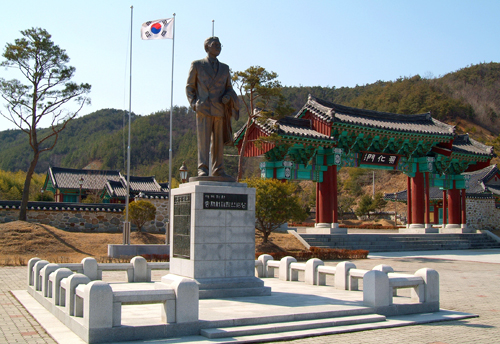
{"x": 303, "y": 325}
{"x": 402, "y": 242}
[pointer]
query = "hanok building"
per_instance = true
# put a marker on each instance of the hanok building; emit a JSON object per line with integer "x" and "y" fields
{"x": 482, "y": 198}
{"x": 74, "y": 185}
{"x": 324, "y": 137}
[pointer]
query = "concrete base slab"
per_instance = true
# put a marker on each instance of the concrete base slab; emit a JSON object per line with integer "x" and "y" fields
{"x": 117, "y": 251}
{"x": 290, "y": 301}
{"x": 216, "y": 288}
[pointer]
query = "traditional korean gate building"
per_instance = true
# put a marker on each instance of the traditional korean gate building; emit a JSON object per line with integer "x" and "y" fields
{"x": 324, "y": 137}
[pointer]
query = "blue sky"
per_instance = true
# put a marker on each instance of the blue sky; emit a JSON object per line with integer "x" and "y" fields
{"x": 309, "y": 43}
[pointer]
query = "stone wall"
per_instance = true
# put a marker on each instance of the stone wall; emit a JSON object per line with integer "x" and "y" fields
{"x": 160, "y": 223}
{"x": 482, "y": 214}
{"x": 83, "y": 217}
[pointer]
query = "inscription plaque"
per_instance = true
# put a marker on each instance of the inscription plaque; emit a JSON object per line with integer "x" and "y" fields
{"x": 372, "y": 158}
{"x": 225, "y": 201}
{"x": 181, "y": 241}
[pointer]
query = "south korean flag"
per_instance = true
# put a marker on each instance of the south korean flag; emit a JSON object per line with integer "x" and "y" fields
{"x": 158, "y": 29}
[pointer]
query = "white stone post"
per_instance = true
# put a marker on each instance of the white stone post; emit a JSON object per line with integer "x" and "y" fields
{"x": 187, "y": 299}
{"x": 90, "y": 268}
{"x": 342, "y": 280}
{"x": 44, "y": 275}
{"x": 376, "y": 290}
{"x": 311, "y": 273}
{"x": 284, "y": 273}
{"x": 141, "y": 271}
{"x": 67, "y": 291}
{"x": 31, "y": 264}
{"x": 264, "y": 258}
{"x": 431, "y": 286}
{"x": 98, "y": 305}
{"x": 36, "y": 274}
{"x": 386, "y": 269}
{"x": 56, "y": 278}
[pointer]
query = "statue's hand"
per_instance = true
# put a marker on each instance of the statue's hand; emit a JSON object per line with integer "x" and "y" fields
{"x": 225, "y": 99}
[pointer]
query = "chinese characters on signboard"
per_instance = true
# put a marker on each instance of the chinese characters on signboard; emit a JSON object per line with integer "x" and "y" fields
{"x": 371, "y": 158}
{"x": 225, "y": 201}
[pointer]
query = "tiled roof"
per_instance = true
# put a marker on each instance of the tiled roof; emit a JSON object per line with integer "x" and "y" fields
{"x": 290, "y": 126}
{"x": 478, "y": 180}
{"x": 116, "y": 189}
{"x": 114, "y": 182}
{"x": 68, "y": 178}
{"x": 145, "y": 184}
{"x": 466, "y": 145}
{"x": 420, "y": 123}
{"x": 164, "y": 187}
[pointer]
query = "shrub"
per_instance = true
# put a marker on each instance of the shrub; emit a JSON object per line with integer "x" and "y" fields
{"x": 320, "y": 253}
{"x": 140, "y": 212}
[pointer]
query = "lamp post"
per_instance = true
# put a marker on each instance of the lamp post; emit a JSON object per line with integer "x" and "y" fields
{"x": 80, "y": 182}
{"x": 183, "y": 171}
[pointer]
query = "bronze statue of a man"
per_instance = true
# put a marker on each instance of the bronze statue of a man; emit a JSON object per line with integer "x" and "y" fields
{"x": 211, "y": 95}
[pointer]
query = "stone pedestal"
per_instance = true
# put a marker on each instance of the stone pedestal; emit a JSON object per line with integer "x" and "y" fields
{"x": 326, "y": 228}
{"x": 456, "y": 228}
{"x": 213, "y": 238}
{"x": 417, "y": 228}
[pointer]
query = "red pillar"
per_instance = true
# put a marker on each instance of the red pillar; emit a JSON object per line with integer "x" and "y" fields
{"x": 335, "y": 210}
{"x": 325, "y": 194}
{"x": 318, "y": 202}
{"x": 454, "y": 213}
{"x": 464, "y": 209}
{"x": 408, "y": 201}
{"x": 417, "y": 198}
{"x": 427, "y": 200}
{"x": 436, "y": 214}
{"x": 445, "y": 207}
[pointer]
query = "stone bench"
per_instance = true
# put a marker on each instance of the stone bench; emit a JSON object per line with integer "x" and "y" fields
{"x": 138, "y": 270}
{"x": 323, "y": 271}
{"x": 271, "y": 267}
{"x": 309, "y": 268}
{"x": 136, "y": 296}
{"x": 378, "y": 287}
{"x": 294, "y": 270}
{"x": 67, "y": 290}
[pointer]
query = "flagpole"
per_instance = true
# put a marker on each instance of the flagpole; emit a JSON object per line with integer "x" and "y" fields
{"x": 213, "y": 24}
{"x": 126, "y": 224}
{"x": 171, "y": 115}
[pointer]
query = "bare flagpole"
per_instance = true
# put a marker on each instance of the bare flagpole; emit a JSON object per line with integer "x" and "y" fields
{"x": 213, "y": 24}
{"x": 171, "y": 115}
{"x": 126, "y": 224}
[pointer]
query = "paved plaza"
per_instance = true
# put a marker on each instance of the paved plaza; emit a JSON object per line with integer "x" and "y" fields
{"x": 469, "y": 283}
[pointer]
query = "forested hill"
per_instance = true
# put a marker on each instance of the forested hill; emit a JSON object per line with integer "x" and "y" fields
{"x": 102, "y": 136}
{"x": 471, "y": 93}
{"x": 469, "y": 96}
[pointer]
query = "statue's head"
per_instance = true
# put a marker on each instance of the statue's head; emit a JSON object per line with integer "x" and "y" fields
{"x": 211, "y": 40}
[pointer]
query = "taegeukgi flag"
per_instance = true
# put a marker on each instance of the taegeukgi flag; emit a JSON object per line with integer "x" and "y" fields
{"x": 158, "y": 29}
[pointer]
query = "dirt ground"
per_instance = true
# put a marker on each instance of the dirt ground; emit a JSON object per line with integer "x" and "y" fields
{"x": 277, "y": 242}
{"x": 21, "y": 241}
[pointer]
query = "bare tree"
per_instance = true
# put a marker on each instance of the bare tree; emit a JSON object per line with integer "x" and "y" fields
{"x": 44, "y": 66}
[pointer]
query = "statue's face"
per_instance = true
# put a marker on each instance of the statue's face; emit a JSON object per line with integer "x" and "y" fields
{"x": 214, "y": 48}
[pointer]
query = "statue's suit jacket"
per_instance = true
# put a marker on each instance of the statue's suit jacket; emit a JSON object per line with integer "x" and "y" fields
{"x": 205, "y": 89}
